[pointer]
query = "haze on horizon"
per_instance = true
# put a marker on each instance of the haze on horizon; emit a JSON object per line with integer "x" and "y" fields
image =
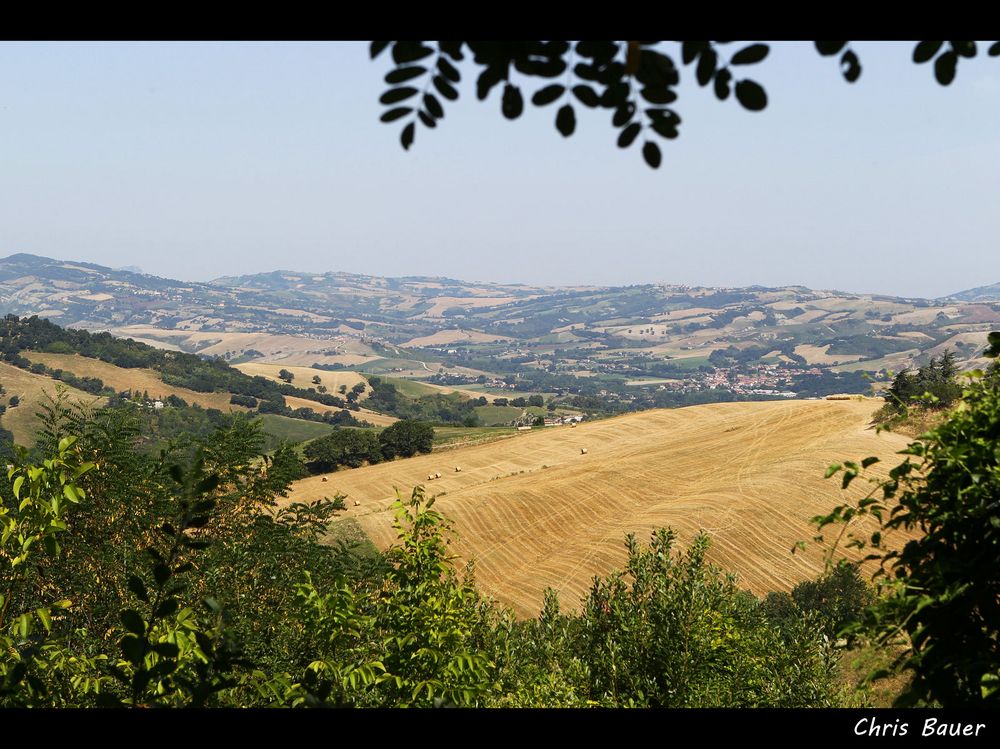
{"x": 199, "y": 160}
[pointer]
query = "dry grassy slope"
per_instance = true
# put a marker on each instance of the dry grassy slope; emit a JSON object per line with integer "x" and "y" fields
{"x": 751, "y": 474}
{"x": 31, "y": 389}
{"x": 119, "y": 378}
{"x": 304, "y": 375}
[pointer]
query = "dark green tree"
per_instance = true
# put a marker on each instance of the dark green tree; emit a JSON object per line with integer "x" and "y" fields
{"x": 343, "y": 447}
{"x": 406, "y": 438}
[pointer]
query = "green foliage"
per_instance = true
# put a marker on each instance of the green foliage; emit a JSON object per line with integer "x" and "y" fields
{"x": 933, "y": 385}
{"x": 30, "y": 527}
{"x": 450, "y": 408}
{"x": 837, "y": 600}
{"x": 406, "y": 438}
{"x": 940, "y": 591}
{"x": 675, "y": 631}
{"x": 343, "y": 447}
{"x": 429, "y": 617}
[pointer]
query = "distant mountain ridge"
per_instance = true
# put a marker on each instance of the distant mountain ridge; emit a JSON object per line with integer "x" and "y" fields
{"x": 331, "y": 317}
{"x": 990, "y": 293}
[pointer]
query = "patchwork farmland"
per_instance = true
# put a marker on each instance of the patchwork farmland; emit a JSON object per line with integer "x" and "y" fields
{"x": 533, "y": 511}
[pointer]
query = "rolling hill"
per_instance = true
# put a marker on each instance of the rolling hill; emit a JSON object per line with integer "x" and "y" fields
{"x": 532, "y": 511}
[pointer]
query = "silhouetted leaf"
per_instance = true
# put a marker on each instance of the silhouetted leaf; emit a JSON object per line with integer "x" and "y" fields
{"x": 406, "y": 137}
{"x": 446, "y": 89}
{"x": 137, "y": 587}
{"x": 944, "y": 67}
{"x": 585, "y": 71}
{"x": 433, "y": 106}
{"x": 600, "y": 51}
{"x": 623, "y": 115}
{"x": 628, "y": 135}
{"x": 651, "y": 153}
{"x": 376, "y": 48}
{"x": 132, "y": 648}
{"x": 924, "y": 51}
{"x": 166, "y": 608}
{"x": 394, "y": 95}
{"x": 402, "y": 75}
{"x": 166, "y": 649}
{"x": 161, "y": 573}
{"x": 749, "y": 55}
{"x": 690, "y": 50}
{"x": 566, "y": 120}
{"x": 656, "y": 95}
{"x": 615, "y": 95}
{"x": 452, "y": 49}
{"x": 512, "y": 103}
{"x": 548, "y": 94}
{"x": 586, "y": 95}
{"x": 133, "y": 622}
{"x": 722, "y": 81}
{"x": 706, "y": 67}
{"x": 666, "y": 127}
{"x": 404, "y": 52}
{"x": 395, "y": 114}
{"x": 851, "y": 66}
{"x": 750, "y": 95}
{"x": 994, "y": 49}
{"x": 830, "y": 48}
{"x": 448, "y": 70}
{"x": 965, "y": 48}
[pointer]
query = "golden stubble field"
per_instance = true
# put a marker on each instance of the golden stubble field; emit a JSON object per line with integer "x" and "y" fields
{"x": 136, "y": 379}
{"x": 533, "y": 512}
{"x": 32, "y": 389}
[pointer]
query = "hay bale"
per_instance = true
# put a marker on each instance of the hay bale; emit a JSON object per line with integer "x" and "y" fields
{"x": 324, "y": 478}
{"x": 437, "y": 475}
{"x": 583, "y": 451}
{"x": 458, "y": 469}
{"x": 357, "y": 503}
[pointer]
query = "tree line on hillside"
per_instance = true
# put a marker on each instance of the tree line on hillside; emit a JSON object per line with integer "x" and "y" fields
{"x": 354, "y": 448}
{"x": 450, "y": 408}
{"x": 176, "y": 368}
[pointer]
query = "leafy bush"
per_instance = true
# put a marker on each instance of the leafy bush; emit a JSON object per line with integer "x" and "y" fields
{"x": 941, "y": 591}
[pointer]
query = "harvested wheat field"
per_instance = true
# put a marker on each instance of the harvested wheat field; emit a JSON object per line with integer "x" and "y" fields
{"x": 136, "y": 379}
{"x": 533, "y": 511}
{"x": 31, "y": 390}
{"x": 304, "y": 376}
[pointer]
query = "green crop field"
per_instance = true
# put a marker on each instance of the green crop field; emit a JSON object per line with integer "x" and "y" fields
{"x": 293, "y": 430}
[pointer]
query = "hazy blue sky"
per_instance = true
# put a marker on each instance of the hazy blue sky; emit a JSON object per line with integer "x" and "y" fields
{"x": 197, "y": 160}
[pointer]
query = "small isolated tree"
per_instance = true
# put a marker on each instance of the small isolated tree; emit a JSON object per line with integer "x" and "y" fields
{"x": 316, "y": 380}
{"x": 406, "y": 438}
{"x": 285, "y": 375}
